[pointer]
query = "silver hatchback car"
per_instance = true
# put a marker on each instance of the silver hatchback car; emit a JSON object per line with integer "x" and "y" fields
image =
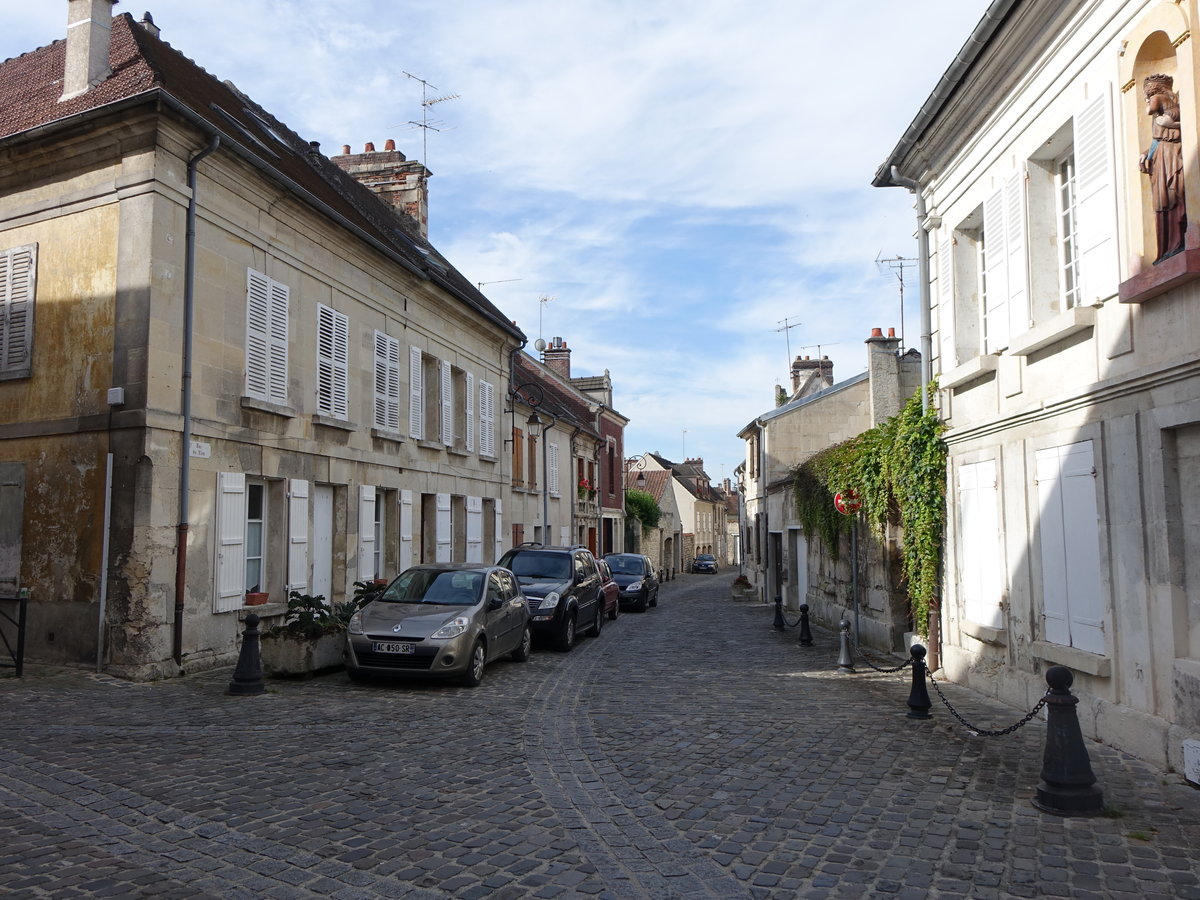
{"x": 440, "y": 621}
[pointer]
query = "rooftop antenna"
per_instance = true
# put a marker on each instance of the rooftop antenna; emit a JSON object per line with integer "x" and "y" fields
{"x": 425, "y": 125}
{"x": 542, "y": 301}
{"x": 820, "y": 358}
{"x": 480, "y": 284}
{"x": 897, "y": 264}
{"x": 786, "y": 329}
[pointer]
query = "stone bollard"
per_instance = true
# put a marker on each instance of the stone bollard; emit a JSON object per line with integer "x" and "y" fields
{"x": 918, "y": 698}
{"x": 779, "y": 624}
{"x": 845, "y": 660}
{"x": 1068, "y": 786}
{"x": 805, "y": 631}
{"x": 248, "y": 676}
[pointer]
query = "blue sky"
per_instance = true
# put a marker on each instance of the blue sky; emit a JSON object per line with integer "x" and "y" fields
{"x": 680, "y": 177}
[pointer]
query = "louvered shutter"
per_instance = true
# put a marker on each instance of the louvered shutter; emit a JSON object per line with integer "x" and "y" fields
{"x": 231, "y": 541}
{"x": 995, "y": 273}
{"x": 487, "y": 419}
{"x": 980, "y": 578}
{"x": 18, "y": 286}
{"x": 297, "y": 565}
{"x": 474, "y": 529}
{"x": 442, "y": 529}
{"x": 499, "y": 531}
{"x": 416, "y": 395}
{"x": 1096, "y": 221}
{"x": 333, "y": 351}
{"x": 945, "y": 323}
{"x": 366, "y": 532}
{"x": 406, "y": 529}
{"x": 552, "y": 463}
{"x": 387, "y": 382}
{"x": 277, "y": 341}
{"x": 446, "y": 393}
{"x": 470, "y": 411}
{"x": 1015, "y": 253}
{"x": 258, "y": 341}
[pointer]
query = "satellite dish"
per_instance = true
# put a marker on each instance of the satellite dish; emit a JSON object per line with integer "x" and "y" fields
{"x": 539, "y": 345}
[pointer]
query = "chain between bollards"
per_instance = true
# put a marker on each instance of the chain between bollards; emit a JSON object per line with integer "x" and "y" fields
{"x": 983, "y": 732}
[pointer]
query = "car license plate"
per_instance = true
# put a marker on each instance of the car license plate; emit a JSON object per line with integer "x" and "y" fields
{"x": 392, "y": 647}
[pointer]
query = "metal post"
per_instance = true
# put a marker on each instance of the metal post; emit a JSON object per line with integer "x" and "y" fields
{"x": 805, "y": 633}
{"x": 918, "y": 698}
{"x": 1068, "y": 785}
{"x": 248, "y": 676}
{"x": 779, "y": 614}
{"x": 845, "y": 660}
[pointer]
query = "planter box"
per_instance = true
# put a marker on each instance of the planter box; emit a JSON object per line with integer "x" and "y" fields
{"x": 289, "y": 655}
{"x": 749, "y": 593}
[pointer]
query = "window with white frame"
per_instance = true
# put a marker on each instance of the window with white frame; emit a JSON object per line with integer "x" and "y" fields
{"x": 487, "y": 419}
{"x": 333, "y": 351}
{"x": 266, "y": 338}
{"x": 387, "y": 383}
{"x": 1068, "y": 230}
{"x": 18, "y": 281}
{"x": 243, "y": 539}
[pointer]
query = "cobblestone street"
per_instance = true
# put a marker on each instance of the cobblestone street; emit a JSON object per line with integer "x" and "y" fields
{"x": 691, "y": 751}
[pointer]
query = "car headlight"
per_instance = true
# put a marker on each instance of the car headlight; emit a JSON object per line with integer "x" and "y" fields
{"x": 453, "y": 628}
{"x": 550, "y": 601}
{"x": 635, "y": 586}
{"x": 354, "y": 626}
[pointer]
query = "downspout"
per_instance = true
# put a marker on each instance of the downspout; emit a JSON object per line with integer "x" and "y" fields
{"x": 185, "y": 468}
{"x": 923, "y": 278}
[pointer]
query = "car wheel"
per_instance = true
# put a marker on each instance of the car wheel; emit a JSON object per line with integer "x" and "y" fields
{"x": 474, "y": 674}
{"x": 522, "y": 652}
{"x": 643, "y": 603}
{"x": 598, "y": 619}
{"x": 654, "y": 599}
{"x": 566, "y": 635}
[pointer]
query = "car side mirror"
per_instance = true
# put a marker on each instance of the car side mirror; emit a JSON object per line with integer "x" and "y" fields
{"x": 495, "y": 603}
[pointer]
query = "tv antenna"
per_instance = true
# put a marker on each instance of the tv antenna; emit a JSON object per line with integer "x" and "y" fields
{"x": 897, "y": 264}
{"x": 425, "y": 125}
{"x": 820, "y": 358}
{"x": 480, "y": 284}
{"x": 542, "y": 301}
{"x": 786, "y": 329}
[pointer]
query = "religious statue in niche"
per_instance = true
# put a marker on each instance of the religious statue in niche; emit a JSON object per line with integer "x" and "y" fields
{"x": 1163, "y": 162}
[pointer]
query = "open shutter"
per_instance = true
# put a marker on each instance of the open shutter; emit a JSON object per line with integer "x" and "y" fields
{"x": 980, "y": 579}
{"x": 416, "y": 395}
{"x": 945, "y": 321}
{"x": 366, "y": 532}
{"x": 387, "y": 382}
{"x": 231, "y": 541}
{"x": 1096, "y": 221}
{"x": 406, "y": 529}
{"x": 442, "y": 529}
{"x": 446, "y": 393}
{"x": 1015, "y": 252}
{"x": 333, "y": 351}
{"x": 487, "y": 419}
{"x": 470, "y": 401}
{"x": 474, "y": 529}
{"x": 552, "y": 464}
{"x": 995, "y": 274}
{"x": 277, "y": 344}
{"x": 18, "y": 276}
{"x": 499, "y": 531}
{"x": 297, "y": 564}
{"x": 258, "y": 341}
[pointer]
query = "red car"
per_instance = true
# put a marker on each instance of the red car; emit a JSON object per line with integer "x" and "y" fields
{"x": 609, "y": 589}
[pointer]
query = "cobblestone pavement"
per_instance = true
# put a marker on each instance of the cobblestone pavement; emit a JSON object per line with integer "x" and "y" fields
{"x": 691, "y": 751}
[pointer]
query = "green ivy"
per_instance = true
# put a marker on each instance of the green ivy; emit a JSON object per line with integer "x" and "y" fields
{"x": 898, "y": 469}
{"x": 643, "y": 507}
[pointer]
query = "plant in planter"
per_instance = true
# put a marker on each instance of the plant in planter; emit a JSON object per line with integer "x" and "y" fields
{"x": 742, "y": 588}
{"x": 310, "y": 638}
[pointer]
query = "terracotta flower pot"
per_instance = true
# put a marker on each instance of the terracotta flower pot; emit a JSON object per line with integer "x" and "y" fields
{"x": 257, "y": 598}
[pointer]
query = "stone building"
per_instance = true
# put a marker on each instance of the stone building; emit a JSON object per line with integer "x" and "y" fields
{"x": 229, "y": 370}
{"x": 1054, "y": 167}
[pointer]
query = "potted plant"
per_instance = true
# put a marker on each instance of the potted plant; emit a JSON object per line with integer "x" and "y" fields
{"x": 310, "y": 638}
{"x": 257, "y": 598}
{"x": 742, "y": 588}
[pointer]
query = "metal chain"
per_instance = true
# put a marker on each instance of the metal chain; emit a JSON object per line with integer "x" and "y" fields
{"x": 981, "y": 732}
{"x": 858, "y": 652}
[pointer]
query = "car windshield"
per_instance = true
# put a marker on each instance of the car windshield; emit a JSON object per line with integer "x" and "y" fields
{"x": 537, "y": 565}
{"x": 706, "y": 557}
{"x": 435, "y": 586}
{"x": 624, "y": 565}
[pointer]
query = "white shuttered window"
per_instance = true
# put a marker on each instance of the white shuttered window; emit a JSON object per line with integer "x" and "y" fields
{"x": 266, "y": 338}
{"x": 487, "y": 419}
{"x": 333, "y": 351}
{"x": 416, "y": 394}
{"x": 387, "y": 383}
{"x": 980, "y": 575}
{"x": 18, "y": 276}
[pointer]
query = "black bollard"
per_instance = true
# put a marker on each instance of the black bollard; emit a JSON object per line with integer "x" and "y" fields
{"x": 248, "y": 676}
{"x": 918, "y": 697}
{"x": 1068, "y": 786}
{"x": 779, "y": 614}
{"x": 805, "y": 632}
{"x": 845, "y": 660}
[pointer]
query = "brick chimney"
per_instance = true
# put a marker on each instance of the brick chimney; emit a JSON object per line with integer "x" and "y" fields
{"x": 883, "y": 374}
{"x": 557, "y": 357}
{"x": 89, "y": 38}
{"x": 811, "y": 373}
{"x": 402, "y": 183}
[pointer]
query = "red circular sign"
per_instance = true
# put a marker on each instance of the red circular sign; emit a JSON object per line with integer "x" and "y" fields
{"x": 847, "y": 503}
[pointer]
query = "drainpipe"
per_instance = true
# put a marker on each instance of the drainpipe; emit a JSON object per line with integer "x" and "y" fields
{"x": 185, "y": 469}
{"x": 923, "y": 277}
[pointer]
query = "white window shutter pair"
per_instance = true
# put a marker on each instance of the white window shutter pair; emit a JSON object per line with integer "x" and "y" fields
{"x": 18, "y": 283}
{"x": 266, "y": 338}
{"x": 387, "y": 382}
{"x": 333, "y": 352}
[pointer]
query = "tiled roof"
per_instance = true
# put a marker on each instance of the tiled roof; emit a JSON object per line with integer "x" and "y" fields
{"x": 144, "y": 65}
{"x": 559, "y": 399}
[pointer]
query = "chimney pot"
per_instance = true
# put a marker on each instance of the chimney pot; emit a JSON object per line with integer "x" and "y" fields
{"x": 345, "y": 149}
{"x": 147, "y": 22}
{"x": 370, "y": 148}
{"x": 876, "y": 332}
{"x": 390, "y": 145}
{"x": 891, "y": 332}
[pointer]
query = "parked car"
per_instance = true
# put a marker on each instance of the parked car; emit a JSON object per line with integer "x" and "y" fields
{"x": 563, "y": 588}
{"x": 635, "y": 575}
{"x": 440, "y": 621}
{"x": 610, "y": 589}
{"x": 705, "y": 562}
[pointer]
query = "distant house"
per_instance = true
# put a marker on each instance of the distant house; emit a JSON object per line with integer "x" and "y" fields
{"x": 663, "y": 543}
{"x": 228, "y": 367}
{"x": 777, "y": 555}
{"x": 701, "y": 507}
